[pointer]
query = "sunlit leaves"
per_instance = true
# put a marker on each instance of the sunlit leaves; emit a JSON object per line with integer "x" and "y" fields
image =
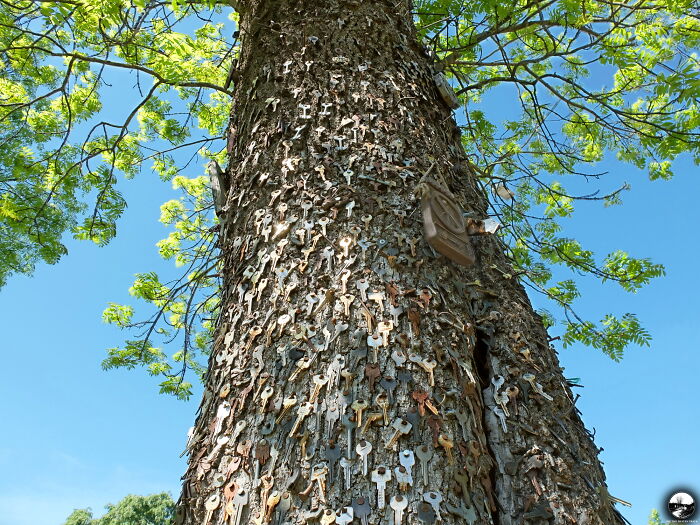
{"x": 629, "y": 272}
{"x": 64, "y": 147}
{"x": 574, "y": 81}
{"x": 611, "y": 335}
{"x": 156, "y": 509}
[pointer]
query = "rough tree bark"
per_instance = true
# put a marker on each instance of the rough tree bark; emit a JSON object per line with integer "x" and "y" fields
{"x": 336, "y": 118}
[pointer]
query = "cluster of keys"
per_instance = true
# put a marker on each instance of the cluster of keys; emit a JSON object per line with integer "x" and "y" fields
{"x": 343, "y": 380}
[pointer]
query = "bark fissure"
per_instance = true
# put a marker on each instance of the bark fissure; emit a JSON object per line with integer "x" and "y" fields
{"x": 328, "y": 282}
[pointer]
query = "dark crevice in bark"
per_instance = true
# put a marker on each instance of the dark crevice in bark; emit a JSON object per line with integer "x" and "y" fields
{"x": 484, "y": 372}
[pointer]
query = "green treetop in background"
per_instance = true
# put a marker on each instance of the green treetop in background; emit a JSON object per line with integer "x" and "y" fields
{"x": 572, "y": 81}
{"x": 156, "y": 509}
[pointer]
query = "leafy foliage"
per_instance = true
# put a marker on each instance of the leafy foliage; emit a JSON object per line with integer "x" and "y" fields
{"x": 587, "y": 79}
{"x": 654, "y": 518}
{"x": 156, "y": 509}
{"x": 63, "y": 148}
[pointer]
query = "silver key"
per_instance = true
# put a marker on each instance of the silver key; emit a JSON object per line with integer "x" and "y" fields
{"x": 407, "y": 459}
{"x": 363, "y": 285}
{"x": 363, "y": 449}
{"x": 381, "y": 476}
{"x": 240, "y": 500}
{"x": 399, "y": 504}
{"x": 346, "y": 464}
{"x": 434, "y": 498}
{"x": 424, "y": 454}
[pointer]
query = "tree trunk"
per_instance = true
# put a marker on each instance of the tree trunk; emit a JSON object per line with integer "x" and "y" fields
{"x": 336, "y": 119}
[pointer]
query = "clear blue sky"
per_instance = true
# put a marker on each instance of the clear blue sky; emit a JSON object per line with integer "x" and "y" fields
{"x": 76, "y": 436}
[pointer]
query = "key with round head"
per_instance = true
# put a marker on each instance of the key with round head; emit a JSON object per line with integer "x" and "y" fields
{"x": 434, "y": 498}
{"x": 210, "y": 505}
{"x": 265, "y": 395}
{"x": 359, "y": 406}
{"x": 304, "y": 410}
{"x": 448, "y": 444}
{"x": 530, "y": 378}
{"x": 363, "y": 449}
{"x": 328, "y": 517}
{"x": 241, "y": 424}
{"x": 362, "y": 285}
{"x": 220, "y": 442}
{"x": 429, "y": 366}
{"x": 374, "y": 341}
{"x": 287, "y": 404}
{"x": 272, "y": 500}
{"x": 401, "y": 427}
{"x": 502, "y": 418}
{"x": 369, "y": 419}
{"x": 239, "y": 500}
{"x": 346, "y": 465}
{"x": 332, "y": 417}
{"x": 283, "y": 507}
{"x": 303, "y": 364}
{"x": 346, "y": 301}
{"x": 424, "y": 454}
{"x": 221, "y": 414}
{"x": 407, "y": 459}
{"x": 382, "y": 401}
{"x": 319, "y": 381}
{"x": 398, "y": 503}
{"x": 332, "y": 454}
{"x": 362, "y": 509}
{"x": 403, "y": 477}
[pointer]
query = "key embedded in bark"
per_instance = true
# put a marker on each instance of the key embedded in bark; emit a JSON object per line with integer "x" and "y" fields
{"x": 381, "y": 476}
{"x": 363, "y": 449}
{"x": 398, "y": 504}
{"x": 424, "y": 454}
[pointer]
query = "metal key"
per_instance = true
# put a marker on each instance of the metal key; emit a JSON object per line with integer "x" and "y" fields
{"x": 349, "y": 425}
{"x": 332, "y": 417}
{"x": 407, "y": 459}
{"x": 283, "y": 507}
{"x": 346, "y": 465}
{"x": 346, "y": 516}
{"x": 211, "y": 505}
{"x": 304, "y": 410}
{"x": 362, "y": 509}
{"x": 239, "y": 500}
{"x": 381, "y": 476}
{"x": 401, "y": 427}
{"x": 333, "y": 453}
{"x": 425, "y": 454}
{"x": 363, "y": 449}
{"x": 434, "y": 498}
{"x": 399, "y": 504}
{"x": 319, "y": 381}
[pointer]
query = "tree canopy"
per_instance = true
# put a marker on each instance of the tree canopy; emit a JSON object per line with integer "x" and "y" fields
{"x": 581, "y": 80}
{"x": 156, "y": 509}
